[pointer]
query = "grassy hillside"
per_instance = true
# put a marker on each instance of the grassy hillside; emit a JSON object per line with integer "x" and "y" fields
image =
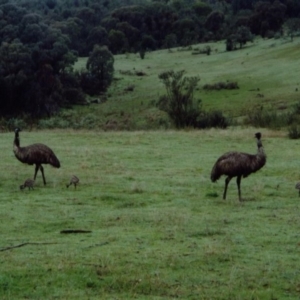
{"x": 266, "y": 72}
{"x": 159, "y": 228}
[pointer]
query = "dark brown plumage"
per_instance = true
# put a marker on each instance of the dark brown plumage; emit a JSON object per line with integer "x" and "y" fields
{"x": 74, "y": 180}
{"x": 238, "y": 164}
{"x": 298, "y": 187}
{"x": 35, "y": 154}
{"x": 28, "y": 183}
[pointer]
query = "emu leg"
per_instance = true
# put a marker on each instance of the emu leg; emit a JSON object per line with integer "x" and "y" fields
{"x": 42, "y": 170}
{"x": 36, "y": 170}
{"x": 227, "y": 180}
{"x": 238, "y": 182}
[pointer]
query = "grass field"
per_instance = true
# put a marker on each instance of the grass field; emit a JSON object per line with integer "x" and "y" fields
{"x": 266, "y": 72}
{"x": 159, "y": 227}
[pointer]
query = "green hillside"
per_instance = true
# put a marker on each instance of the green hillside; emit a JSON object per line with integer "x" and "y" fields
{"x": 266, "y": 72}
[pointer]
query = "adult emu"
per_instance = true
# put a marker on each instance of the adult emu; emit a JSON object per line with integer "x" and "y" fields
{"x": 35, "y": 154}
{"x": 238, "y": 164}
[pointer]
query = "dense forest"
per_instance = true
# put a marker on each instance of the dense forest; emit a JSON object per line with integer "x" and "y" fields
{"x": 41, "y": 40}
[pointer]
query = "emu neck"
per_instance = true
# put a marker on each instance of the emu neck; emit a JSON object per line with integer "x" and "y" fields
{"x": 260, "y": 148}
{"x": 17, "y": 140}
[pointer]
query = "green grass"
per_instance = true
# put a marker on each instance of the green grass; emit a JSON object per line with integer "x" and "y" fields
{"x": 160, "y": 229}
{"x": 267, "y": 65}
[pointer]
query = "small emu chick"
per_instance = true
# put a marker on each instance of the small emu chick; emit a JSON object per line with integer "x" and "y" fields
{"x": 74, "y": 180}
{"x": 28, "y": 183}
{"x": 298, "y": 187}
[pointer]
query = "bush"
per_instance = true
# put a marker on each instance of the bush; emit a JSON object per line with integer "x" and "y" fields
{"x": 89, "y": 83}
{"x": 74, "y": 96}
{"x": 213, "y": 119}
{"x": 294, "y": 132}
{"x": 221, "y": 85}
{"x": 269, "y": 118}
{"x": 179, "y": 102}
{"x": 15, "y": 122}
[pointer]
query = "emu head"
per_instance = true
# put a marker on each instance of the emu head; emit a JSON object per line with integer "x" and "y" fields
{"x": 258, "y": 135}
{"x": 17, "y": 129}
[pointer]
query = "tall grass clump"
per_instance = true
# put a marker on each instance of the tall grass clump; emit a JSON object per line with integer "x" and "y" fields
{"x": 268, "y": 118}
{"x": 294, "y": 131}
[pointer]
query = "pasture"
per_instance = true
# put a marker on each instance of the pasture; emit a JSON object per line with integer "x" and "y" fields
{"x": 159, "y": 228}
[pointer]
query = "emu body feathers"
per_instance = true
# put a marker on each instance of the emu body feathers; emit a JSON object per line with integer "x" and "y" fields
{"x": 35, "y": 154}
{"x": 238, "y": 164}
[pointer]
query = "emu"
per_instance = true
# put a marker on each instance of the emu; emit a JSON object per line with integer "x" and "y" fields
{"x": 74, "y": 180}
{"x": 298, "y": 187}
{"x": 28, "y": 183}
{"x": 35, "y": 154}
{"x": 238, "y": 164}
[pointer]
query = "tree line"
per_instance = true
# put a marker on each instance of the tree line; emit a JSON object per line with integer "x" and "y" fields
{"x": 41, "y": 39}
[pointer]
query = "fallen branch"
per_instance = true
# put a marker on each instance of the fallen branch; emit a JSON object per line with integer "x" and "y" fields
{"x": 25, "y": 244}
{"x": 66, "y": 231}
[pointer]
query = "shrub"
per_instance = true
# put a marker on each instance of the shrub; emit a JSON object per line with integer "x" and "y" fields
{"x": 74, "y": 95}
{"x": 221, "y": 85}
{"x": 294, "y": 132}
{"x": 179, "y": 102}
{"x": 212, "y": 119}
{"x": 12, "y": 123}
{"x": 260, "y": 117}
{"x": 142, "y": 53}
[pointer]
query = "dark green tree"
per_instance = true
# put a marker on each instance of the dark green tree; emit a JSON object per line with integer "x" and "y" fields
{"x": 201, "y": 8}
{"x": 148, "y": 43}
{"x": 186, "y": 31}
{"x": 100, "y": 66}
{"x": 132, "y": 34}
{"x": 170, "y": 41}
{"x": 31, "y": 64}
{"x": 267, "y": 17}
{"x": 293, "y": 26}
{"x": 16, "y": 70}
{"x": 241, "y": 37}
{"x": 118, "y": 42}
{"x": 214, "y": 22}
{"x": 97, "y": 36}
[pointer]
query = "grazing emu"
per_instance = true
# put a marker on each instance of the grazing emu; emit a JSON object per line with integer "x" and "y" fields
{"x": 74, "y": 180}
{"x": 298, "y": 187}
{"x": 28, "y": 183}
{"x": 35, "y": 154}
{"x": 238, "y": 164}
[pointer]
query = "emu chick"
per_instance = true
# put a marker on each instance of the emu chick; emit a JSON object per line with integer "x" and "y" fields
{"x": 74, "y": 180}
{"x": 28, "y": 183}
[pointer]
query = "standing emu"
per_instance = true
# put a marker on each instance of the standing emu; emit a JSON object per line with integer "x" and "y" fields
{"x": 298, "y": 187}
{"x": 35, "y": 154}
{"x": 238, "y": 164}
